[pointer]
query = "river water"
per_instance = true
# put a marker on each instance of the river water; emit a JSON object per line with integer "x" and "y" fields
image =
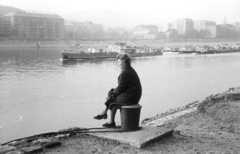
{"x": 41, "y": 93}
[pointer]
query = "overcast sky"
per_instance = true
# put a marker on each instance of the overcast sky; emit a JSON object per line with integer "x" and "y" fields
{"x": 149, "y": 11}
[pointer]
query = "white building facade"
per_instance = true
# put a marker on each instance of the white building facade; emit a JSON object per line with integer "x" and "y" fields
{"x": 209, "y": 26}
{"x": 183, "y": 25}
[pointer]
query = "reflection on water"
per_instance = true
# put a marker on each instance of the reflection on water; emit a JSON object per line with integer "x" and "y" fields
{"x": 48, "y": 94}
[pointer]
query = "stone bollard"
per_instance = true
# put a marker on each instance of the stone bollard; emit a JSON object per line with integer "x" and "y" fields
{"x": 130, "y": 116}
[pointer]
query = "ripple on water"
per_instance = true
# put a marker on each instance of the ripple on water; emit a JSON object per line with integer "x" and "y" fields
{"x": 20, "y": 118}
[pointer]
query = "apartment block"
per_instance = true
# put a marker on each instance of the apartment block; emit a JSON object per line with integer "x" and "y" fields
{"x": 33, "y": 25}
{"x": 183, "y": 25}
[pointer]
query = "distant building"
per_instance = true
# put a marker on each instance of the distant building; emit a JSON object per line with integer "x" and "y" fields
{"x": 167, "y": 26}
{"x": 152, "y": 28}
{"x": 1, "y": 26}
{"x": 163, "y": 27}
{"x": 4, "y": 28}
{"x": 144, "y": 35}
{"x": 69, "y": 29}
{"x": 184, "y": 25}
{"x": 33, "y": 25}
{"x": 236, "y": 25}
{"x": 209, "y": 26}
{"x": 148, "y": 32}
{"x": 172, "y": 25}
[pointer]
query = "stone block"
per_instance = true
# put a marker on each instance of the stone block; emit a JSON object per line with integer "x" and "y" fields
{"x": 32, "y": 149}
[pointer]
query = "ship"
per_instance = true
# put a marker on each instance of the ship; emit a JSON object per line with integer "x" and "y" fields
{"x": 110, "y": 51}
{"x": 219, "y": 50}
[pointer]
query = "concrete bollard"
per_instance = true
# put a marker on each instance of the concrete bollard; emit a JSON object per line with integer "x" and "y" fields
{"x": 130, "y": 116}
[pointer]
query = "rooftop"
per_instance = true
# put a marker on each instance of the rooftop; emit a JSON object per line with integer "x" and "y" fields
{"x": 38, "y": 15}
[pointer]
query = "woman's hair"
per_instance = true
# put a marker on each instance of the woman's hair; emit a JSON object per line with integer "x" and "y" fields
{"x": 124, "y": 57}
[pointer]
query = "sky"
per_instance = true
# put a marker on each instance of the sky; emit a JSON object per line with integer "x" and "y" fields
{"x": 143, "y": 11}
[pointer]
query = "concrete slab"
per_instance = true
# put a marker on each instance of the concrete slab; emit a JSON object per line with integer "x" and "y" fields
{"x": 139, "y": 138}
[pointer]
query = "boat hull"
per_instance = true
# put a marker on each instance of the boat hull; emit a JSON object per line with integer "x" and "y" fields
{"x": 220, "y": 51}
{"x": 68, "y": 56}
{"x": 186, "y": 52}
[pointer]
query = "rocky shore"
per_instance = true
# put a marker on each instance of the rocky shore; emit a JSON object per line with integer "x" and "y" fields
{"x": 211, "y": 126}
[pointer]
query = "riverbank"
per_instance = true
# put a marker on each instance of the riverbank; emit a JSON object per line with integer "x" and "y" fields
{"x": 31, "y": 44}
{"x": 210, "y": 126}
{"x": 65, "y": 44}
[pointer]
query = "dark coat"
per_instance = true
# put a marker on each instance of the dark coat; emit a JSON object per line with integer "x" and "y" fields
{"x": 129, "y": 89}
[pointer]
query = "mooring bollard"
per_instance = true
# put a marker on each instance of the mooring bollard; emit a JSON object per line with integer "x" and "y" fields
{"x": 130, "y": 116}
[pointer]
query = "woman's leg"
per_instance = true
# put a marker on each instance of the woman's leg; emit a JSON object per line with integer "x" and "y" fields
{"x": 112, "y": 123}
{"x": 103, "y": 115}
{"x": 115, "y": 106}
{"x": 107, "y": 104}
{"x": 104, "y": 111}
{"x": 113, "y": 112}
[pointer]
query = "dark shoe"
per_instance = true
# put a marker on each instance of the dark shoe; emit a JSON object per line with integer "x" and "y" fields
{"x": 99, "y": 117}
{"x": 107, "y": 125}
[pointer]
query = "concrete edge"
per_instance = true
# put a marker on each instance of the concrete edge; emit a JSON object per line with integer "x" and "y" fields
{"x": 169, "y": 133}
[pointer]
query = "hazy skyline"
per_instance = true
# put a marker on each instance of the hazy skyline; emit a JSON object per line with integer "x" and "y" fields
{"x": 138, "y": 11}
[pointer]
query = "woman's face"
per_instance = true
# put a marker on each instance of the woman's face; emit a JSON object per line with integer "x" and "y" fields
{"x": 120, "y": 62}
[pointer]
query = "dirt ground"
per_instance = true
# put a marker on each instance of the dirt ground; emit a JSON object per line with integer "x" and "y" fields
{"x": 213, "y": 129}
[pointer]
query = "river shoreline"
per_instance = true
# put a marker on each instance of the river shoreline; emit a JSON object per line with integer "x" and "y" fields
{"x": 211, "y": 125}
{"x": 151, "y": 43}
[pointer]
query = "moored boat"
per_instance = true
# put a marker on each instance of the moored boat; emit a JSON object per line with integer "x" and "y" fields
{"x": 169, "y": 51}
{"x": 218, "y": 50}
{"x": 187, "y": 50}
{"x": 109, "y": 52}
{"x": 204, "y": 50}
{"x": 71, "y": 55}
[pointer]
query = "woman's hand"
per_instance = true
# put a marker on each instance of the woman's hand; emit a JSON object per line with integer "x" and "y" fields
{"x": 110, "y": 93}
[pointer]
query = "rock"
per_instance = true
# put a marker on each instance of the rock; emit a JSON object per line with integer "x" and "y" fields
{"x": 177, "y": 132}
{"x": 44, "y": 140}
{"x": 14, "y": 143}
{"x": 60, "y": 136}
{"x": 99, "y": 151}
{"x": 51, "y": 144}
{"x": 35, "y": 142}
{"x": 6, "y": 148}
{"x": 32, "y": 149}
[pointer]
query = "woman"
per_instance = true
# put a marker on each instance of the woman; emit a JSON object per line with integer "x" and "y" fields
{"x": 128, "y": 91}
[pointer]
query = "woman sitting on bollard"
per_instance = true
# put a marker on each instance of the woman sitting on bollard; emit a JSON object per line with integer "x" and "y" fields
{"x": 128, "y": 91}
